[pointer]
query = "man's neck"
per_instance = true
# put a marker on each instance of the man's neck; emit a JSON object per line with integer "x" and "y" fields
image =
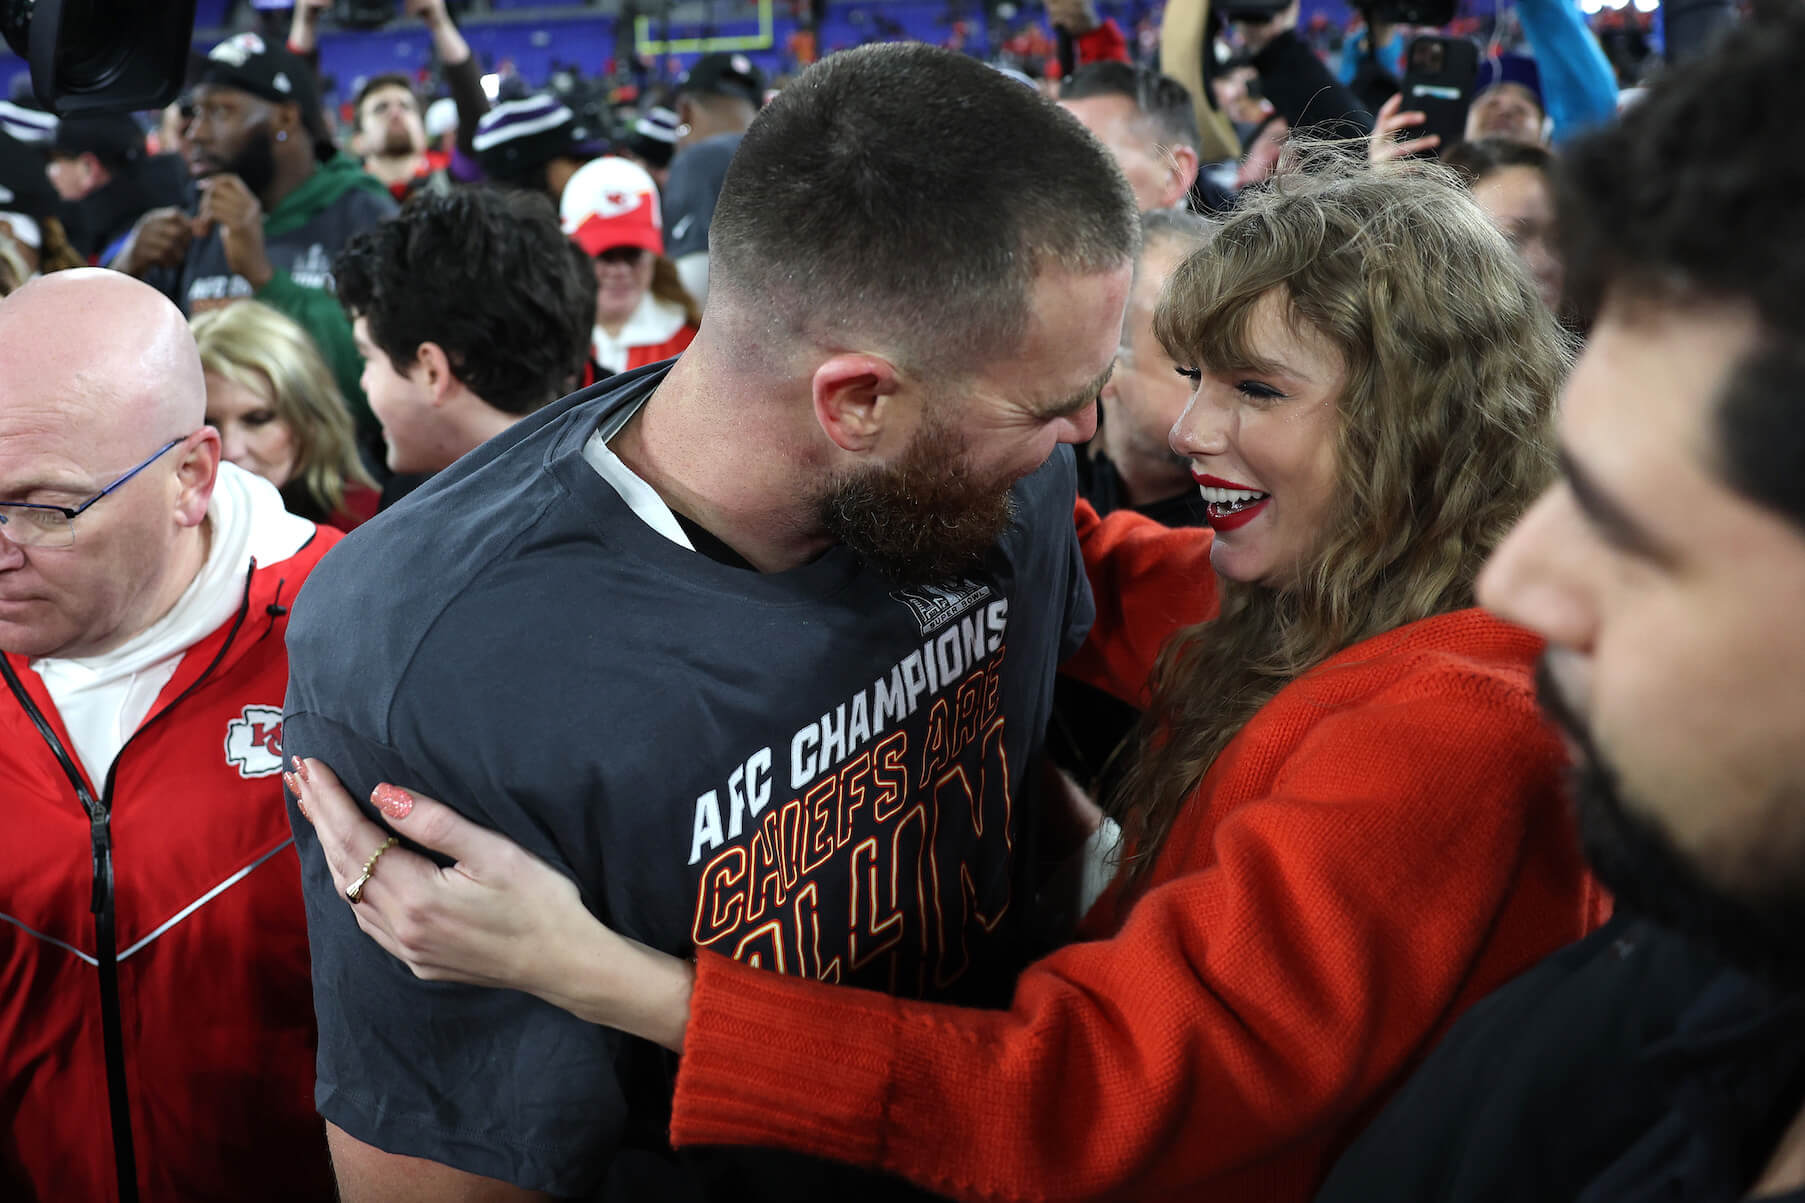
{"x": 1145, "y": 478}
{"x": 718, "y": 461}
{"x": 283, "y": 184}
{"x": 396, "y": 169}
{"x": 707, "y": 125}
{"x": 476, "y": 422}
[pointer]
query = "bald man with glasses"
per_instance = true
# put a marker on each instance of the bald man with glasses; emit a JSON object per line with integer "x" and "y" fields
{"x": 156, "y": 1026}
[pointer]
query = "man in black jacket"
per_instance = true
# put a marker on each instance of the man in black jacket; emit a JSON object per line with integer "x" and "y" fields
{"x": 99, "y": 164}
{"x": 1661, "y": 1058}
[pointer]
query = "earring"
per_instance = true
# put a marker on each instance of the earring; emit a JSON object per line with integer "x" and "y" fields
{"x": 281, "y": 135}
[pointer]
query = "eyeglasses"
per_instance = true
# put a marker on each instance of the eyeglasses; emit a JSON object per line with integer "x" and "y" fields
{"x": 31, "y": 525}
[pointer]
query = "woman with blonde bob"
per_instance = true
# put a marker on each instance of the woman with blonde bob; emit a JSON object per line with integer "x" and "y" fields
{"x": 1346, "y": 823}
{"x": 280, "y": 415}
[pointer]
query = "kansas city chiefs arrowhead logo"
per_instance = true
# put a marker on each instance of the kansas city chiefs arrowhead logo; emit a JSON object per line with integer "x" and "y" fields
{"x": 254, "y": 741}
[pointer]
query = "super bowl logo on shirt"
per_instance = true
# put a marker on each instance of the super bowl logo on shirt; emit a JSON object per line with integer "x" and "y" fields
{"x": 254, "y": 741}
{"x": 935, "y": 606}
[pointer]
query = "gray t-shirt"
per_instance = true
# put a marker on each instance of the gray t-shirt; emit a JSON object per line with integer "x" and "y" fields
{"x": 305, "y": 252}
{"x": 718, "y": 758}
{"x": 690, "y": 192}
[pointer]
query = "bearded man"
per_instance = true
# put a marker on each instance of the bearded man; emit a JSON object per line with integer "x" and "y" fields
{"x": 1661, "y": 1057}
{"x": 757, "y": 647}
{"x": 277, "y": 202}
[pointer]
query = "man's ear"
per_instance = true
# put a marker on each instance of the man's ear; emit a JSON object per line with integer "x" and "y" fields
{"x": 436, "y": 374}
{"x": 852, "y": 395}
{"x": 1181, "y": 174}
{"x": 197, "y": 471}
{"x": 286, "y": 119}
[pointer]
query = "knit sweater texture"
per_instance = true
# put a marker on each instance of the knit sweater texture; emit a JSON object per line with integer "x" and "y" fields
{"x": 1383, "y": 844}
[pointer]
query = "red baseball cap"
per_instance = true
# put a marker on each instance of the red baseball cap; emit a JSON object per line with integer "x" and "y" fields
{"x": 611, "y": 202}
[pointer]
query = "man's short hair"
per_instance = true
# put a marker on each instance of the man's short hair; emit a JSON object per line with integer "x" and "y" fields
{"x": 1162, "y": 100}
{"x": 388, "y": 79}
{"x": 1475, "y": 160}
{"x": 914, "y": 194}
{"x": 485, "y": 273}
{"x": 1693, "y": 196}
{"x": 1178, "y": 227}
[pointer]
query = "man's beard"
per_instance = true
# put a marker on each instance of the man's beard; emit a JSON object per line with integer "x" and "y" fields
{"x": 255, "y": 164}
{"x": 398, "y": 143}
{"x": 924, "y": 520}
{"x": 1760, "y": 931}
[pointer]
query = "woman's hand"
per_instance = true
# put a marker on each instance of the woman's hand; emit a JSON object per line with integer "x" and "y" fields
{"x": 1384, "y": 145}
{"x": 499, "y": 916}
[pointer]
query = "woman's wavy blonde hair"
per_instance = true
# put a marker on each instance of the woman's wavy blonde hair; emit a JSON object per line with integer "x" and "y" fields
{"x": 1452, "y": 364}
{"x": 260, "y": 349}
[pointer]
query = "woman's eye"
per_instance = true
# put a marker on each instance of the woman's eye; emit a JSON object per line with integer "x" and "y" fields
{"x": 1192, "y": 374}
{"x": 259, "y": 417}
{"x": 1258, "y": 391}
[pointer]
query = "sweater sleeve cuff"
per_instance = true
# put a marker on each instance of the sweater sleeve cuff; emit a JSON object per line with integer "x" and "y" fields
{"x": 748, "y": 1029}
{"x": 1103, "y": 44}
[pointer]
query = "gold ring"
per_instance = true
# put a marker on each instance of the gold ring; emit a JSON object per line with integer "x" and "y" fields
{"x": 355, "y": 891}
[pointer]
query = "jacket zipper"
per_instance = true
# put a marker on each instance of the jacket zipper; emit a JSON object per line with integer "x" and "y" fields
{"x": 101, "y": 903}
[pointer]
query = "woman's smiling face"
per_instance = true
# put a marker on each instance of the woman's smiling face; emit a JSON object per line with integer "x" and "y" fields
{"x": 1261, "y": 442}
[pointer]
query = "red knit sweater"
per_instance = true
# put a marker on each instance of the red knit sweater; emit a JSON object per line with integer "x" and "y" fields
{"x": 1383, "y": 844}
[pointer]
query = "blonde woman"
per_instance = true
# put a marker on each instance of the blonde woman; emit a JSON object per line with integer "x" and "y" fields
{"x": 279, "y": 413}
{"x": 1346, "y": 823}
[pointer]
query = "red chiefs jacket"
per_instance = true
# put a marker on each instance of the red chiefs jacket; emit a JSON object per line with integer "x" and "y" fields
{"x": 155, "y": 1009}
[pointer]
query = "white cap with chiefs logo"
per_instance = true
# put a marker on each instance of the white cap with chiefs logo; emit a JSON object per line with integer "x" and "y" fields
{"x": 611, "y": 202}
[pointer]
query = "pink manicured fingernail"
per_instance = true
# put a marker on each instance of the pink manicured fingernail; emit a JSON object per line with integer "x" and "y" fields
{"x": 301, "y": 771}
{"x": 392, "y": 800}
{"x": 293, "y": 783}
{"x": 294, "y": 762}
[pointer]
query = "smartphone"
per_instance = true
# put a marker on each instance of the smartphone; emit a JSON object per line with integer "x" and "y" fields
{"x": 1439, "y": 74}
